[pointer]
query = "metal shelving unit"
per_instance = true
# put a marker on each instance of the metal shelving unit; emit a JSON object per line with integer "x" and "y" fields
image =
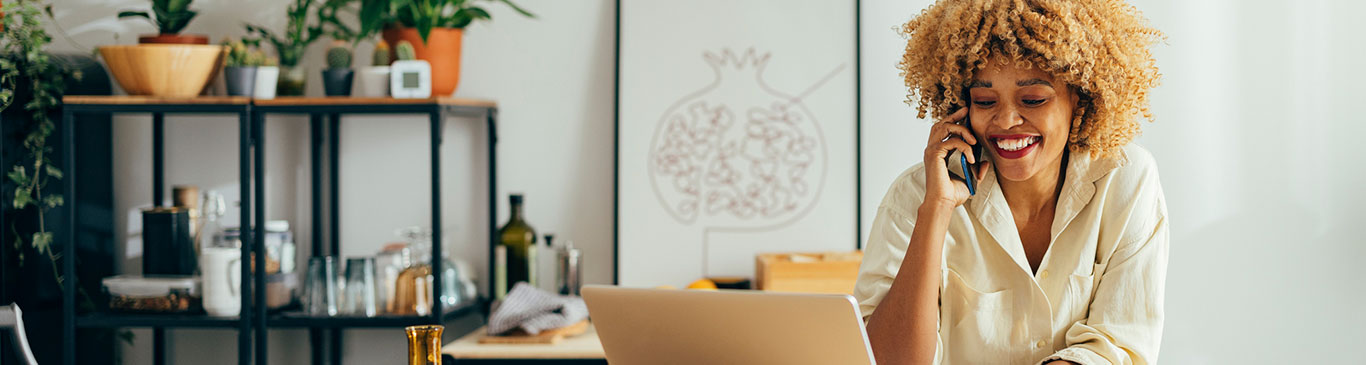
{"x": 254, "y": 320}
{"x": 158, "y": 108}
{"x": 325, "y": 124}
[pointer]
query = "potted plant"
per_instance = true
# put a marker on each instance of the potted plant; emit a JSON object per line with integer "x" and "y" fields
{"x": 338, "y": 75}
{"x": 239, "y": 74}
{"x": 170, "y": 17}
{"x": 267, "y": 76}
{"x": 434, "y": 27}
{"x": 374, "y": 79}
{"x": 291, "y": 45}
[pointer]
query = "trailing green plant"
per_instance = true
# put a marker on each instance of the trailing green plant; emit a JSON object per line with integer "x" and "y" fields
{"x": 26, "y": 69}
{"x": 170, "y": 16}
{"x": 381, "y": 56}
{"x": 338, "y": 56}
{"x": 405, "y": 51}
{"x": 293, "y": 42}
{"x": 375, "y": 15}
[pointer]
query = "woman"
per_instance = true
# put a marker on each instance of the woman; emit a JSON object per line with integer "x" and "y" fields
{"x": 1061, "y": 255}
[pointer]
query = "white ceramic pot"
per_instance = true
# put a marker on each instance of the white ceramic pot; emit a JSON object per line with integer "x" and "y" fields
{"x": 266, "y": 77}
{"x": 372, "y": 82}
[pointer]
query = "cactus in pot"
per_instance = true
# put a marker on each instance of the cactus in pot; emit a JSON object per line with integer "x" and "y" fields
{"x": 373, "y": 80}
{"x": 381, "y": 54}
{"x": 405, "y": 51}
{"x": 239, "y": 72}
{"x": 338, "y": 75}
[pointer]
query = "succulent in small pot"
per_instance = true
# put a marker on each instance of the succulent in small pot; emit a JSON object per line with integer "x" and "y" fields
{"x": 338, "y": 75}
{"x": 373, "y": 80}
{"x": 239, "y": 75}
{"x": 170, "y": 17}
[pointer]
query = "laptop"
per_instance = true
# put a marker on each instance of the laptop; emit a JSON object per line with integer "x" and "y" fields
{"x": 668, "y": 326}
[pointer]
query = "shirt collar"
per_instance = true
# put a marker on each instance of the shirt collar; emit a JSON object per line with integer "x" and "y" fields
{"x": 993, "y": 213}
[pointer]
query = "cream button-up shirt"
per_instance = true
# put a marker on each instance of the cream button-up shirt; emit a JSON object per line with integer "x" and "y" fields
{"x": 1098, "y": 294}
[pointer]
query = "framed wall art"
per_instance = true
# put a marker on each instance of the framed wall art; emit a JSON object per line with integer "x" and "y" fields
{"x": 736, "y": 134}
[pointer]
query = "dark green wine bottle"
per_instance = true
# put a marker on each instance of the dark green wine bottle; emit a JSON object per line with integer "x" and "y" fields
{"x": 518, "y": 240}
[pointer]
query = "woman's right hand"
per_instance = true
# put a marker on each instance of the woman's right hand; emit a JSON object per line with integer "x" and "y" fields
{"x": 941, "y": 190}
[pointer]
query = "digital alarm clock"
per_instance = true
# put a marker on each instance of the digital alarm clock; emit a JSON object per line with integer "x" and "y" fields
{"x": 410, "y": 79}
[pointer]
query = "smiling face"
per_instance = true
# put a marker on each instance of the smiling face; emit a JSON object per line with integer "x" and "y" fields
{"x": 1023, "y": 116}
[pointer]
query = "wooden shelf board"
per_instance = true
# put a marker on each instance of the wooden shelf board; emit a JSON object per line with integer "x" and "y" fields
{"x": 154, "y": 100}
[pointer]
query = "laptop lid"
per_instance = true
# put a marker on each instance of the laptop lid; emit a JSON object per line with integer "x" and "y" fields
{"x": 662, "y": 326}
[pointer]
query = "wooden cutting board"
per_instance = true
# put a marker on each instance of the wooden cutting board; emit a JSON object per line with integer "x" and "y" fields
{"x": 547, "y": 337}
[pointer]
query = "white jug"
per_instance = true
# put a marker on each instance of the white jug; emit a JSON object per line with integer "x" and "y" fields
{"x": 221, "y": 268}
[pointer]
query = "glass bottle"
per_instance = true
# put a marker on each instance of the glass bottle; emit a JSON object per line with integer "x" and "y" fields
{"x": 518, "y": 240}
{"x": 424, "y": 344}
{"x": 413, "y": 288}
{"x": 210, "y": 233}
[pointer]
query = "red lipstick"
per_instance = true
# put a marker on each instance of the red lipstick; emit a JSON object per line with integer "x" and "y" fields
{"x": 1011, "y": 155}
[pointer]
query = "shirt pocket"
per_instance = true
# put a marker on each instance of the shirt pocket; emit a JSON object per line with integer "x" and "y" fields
{"x": 1081, "y": 290}
{"x": 979, "y": 324}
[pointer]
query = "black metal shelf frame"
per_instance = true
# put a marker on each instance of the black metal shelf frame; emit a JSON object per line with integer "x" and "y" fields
{"x": 331, "y": 114}
{"x": 254, "y": 320}
{"x": 158, "y": 323}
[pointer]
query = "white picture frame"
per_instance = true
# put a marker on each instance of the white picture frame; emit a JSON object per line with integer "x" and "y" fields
{"x": 737, "y": 134}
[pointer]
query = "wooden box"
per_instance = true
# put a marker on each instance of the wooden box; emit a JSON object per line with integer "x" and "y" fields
{"x": 821, "y": 272}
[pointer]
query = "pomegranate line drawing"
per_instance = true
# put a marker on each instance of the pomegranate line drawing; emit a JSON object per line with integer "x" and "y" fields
{"x": 738, "y": 155}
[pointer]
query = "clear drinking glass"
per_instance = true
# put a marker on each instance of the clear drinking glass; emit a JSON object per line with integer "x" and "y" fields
{"x": 360, "y": 298}
{"x": 320, "y": 288}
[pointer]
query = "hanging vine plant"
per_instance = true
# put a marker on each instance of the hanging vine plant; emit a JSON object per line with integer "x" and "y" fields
{"x": 35, "y": 81}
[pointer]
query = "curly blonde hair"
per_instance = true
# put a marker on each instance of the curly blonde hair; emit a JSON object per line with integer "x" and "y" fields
{"x": 1099, "y": 47}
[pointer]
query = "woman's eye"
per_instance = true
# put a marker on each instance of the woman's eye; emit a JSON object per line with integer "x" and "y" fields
{"x": 1032, "y": 102}
{"x": 985, "y": 103}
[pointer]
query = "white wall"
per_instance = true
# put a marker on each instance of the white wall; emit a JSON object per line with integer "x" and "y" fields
{"x": 1256, "y": 116}
{"x": 1254, "y": 138}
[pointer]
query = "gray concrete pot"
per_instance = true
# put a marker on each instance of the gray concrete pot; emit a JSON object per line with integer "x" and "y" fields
{"x": 240, "y": 81}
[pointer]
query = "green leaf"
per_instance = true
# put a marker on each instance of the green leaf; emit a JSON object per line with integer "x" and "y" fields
{"x": 18, "y": 175}
{"x": 52, "y": 201}
{"x": 53, "y": 171}
{"x": 518, "y": 9}
{"x": 128, "y": 14}
{"x": 21, "y": 198}
{"x": 42, "y": 242}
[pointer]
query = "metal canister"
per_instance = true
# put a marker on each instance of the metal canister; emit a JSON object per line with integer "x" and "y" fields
{"x": 167, "y": 245}
{"x": 569, "y": 275}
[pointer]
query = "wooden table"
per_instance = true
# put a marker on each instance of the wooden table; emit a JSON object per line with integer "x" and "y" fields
{"x": 581, "y": 349}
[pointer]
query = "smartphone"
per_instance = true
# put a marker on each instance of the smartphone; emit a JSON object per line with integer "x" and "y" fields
{"x": 958, "y": 165}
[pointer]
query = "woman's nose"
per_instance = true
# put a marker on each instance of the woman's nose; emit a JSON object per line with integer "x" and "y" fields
{"x": 1009, "y": 117}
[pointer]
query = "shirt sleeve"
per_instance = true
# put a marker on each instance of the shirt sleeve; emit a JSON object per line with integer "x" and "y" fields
{"x": 886, "y": 246}
{"x": 1125, "y": 321}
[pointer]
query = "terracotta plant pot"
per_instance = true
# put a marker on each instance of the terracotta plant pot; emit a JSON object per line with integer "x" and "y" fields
{"x": 442, "y": 51}
{"x": 173, "y": 39}
{"x": 170, "y": 70}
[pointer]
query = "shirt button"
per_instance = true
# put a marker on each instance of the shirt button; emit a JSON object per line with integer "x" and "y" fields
{"x": 1041, "y": 344}
{"x": 1043, "y": 274}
